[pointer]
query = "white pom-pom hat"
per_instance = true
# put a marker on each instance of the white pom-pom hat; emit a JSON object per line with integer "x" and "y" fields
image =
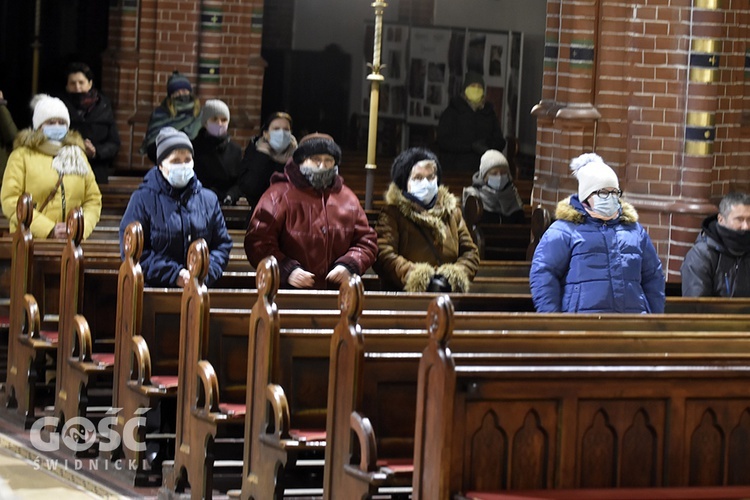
{"x": 46, "y": 107}
{"x": 592, "y": 174}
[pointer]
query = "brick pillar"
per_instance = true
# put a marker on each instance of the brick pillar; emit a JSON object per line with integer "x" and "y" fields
{"x": 220, "y": 55}
{"x": 669, "y": 84}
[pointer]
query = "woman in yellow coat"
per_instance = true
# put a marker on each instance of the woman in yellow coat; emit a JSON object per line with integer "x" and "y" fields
{"x": 49, "y": 162}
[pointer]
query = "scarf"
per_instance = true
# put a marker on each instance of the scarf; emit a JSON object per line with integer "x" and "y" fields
{"x": 85, "y": 101}
{"x": 184, "y": 116}
{"x": 736, "y": 242}
{"x": 67, "y": 159}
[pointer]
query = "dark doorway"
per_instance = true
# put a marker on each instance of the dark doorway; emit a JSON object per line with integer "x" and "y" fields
{"x": 70, "y": 30}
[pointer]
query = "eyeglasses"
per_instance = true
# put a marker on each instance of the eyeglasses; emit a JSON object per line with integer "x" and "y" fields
{"x": 321, "y": 160}
{"x": 604, "y": 193}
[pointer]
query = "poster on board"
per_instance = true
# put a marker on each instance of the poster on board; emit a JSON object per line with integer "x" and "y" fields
{"x": 428, "y": 75}
{"x": 393, "y": 52}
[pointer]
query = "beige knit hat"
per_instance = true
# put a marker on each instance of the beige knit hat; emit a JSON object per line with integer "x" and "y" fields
{"x": 592, "y": 174}
{"x": 492, "y": 158}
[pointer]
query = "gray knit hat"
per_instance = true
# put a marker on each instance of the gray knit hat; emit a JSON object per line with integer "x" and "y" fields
{"x": 492, "y": 158}
{"x": 168, "y": 140}
{"x": 214, "y": 107}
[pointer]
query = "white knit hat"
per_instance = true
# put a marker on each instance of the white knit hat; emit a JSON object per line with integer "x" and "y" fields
{"x": 214, "y": 107}
{"x": 492, "y": 158}
{"x": 46, "y": 107}
{"x": 592, "y": 174}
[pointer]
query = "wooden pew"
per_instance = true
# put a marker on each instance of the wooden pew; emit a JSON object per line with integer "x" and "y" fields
{"x": 678, "y": 417}
{"x": 201, "y": 419}
{"x": 78, "y": 366}
{"x": 28, "y": 344}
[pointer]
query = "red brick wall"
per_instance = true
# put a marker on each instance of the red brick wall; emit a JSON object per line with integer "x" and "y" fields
{"x": 151, "y": 38}
{"x": 675, "y": 136}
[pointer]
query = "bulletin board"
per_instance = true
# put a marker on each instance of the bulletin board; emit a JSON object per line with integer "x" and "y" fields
{"x": 425, "y": 68}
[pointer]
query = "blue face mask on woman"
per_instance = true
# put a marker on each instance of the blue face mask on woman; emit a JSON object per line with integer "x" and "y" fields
{"x": 279, "y": 139}
{"x": 606, "y": 207}
{"x": 180, "y": 174}
{"x": 55, "y": 132}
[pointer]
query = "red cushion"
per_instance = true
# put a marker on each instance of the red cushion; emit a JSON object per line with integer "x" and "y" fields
{"x": 49, "y": 336}
{"x": 104, "y": 358}
{"x": 307, "y": 434}
{"x": 235, "y": 410}
{"x": 397, "y": 465}
{"x": 4, "y": 322}
{"x": 692, "y": 493}
{"x": 165, "y": 381}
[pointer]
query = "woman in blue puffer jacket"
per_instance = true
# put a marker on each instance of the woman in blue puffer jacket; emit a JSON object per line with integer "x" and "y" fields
{"x": 175, "y": 210}
{"x": 596, "y": 257}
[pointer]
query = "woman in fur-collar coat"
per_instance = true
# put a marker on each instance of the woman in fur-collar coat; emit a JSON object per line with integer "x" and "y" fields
{"x": 49, "y": 162}
{"x": 421, "y": 231}
{"x": 596, "y": 257}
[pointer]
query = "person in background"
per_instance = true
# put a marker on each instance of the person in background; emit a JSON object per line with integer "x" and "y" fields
{"x": 8, "y": 131}
{"x": 174, "y": 210}
{"x": 217, "y": 159}
{"x": 718, "y": 265}
{"x": 266, "y": 154}
{"x": 48, "y": 161}
{"x": 180, "y": 110}
{"x": 596, "y": 257}
{"x": 310, "y": 221}
{"x": 493, "y": 184}
{"x": 92, "y": 116}
{"x": 468, "y": 127}
{"x": 423, "y": 241}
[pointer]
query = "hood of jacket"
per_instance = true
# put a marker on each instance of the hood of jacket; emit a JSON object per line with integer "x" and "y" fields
{"x": 571, "y": 209}
{"x": 433, "y": 218}
{"x": 710, "y": 235}
{"x": 293, "y": 175}
{"x": 33, "y": 139}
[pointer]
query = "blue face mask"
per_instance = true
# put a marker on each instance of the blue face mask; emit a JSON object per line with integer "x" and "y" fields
{"x": 497, "y": 182}
{"x": 423, "y": 189}
{"x": 279, "y": 139}
{"x": 607, "y": 207}
{"x": 55, "y": 132}
{"x": 180, "y": 174}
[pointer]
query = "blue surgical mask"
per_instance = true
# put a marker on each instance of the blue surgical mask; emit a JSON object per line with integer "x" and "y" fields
{"x": 279, "y": 139}
{"x": 606, "y": 207}
{"x": 217, "y": 129}
{"x": 179, "y": 174}
{"x": 424, "y": 190}
{"x": 497, "y": 182}
{"x": 55, "y": 132}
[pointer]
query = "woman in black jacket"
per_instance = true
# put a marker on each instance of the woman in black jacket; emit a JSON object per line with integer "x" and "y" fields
{"x": 92, "y": 116}
{"x": 267, "y": 153}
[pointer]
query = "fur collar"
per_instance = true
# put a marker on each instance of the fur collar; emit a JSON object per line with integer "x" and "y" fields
{"x": 571, "y": 210}
{"x": 432, "y": 219}
{"x": 33, "y": 139}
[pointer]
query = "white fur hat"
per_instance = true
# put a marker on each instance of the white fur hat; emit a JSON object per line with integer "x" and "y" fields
{"x": 46, "y": 107}
{"x": 592, "y": 174}
{"x": 492, "y": 158}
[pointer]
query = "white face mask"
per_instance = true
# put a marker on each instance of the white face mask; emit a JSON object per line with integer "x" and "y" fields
{"x": 179, "y": 173}
{"x": 497, "y": 182}
{"x": 424, "y": 189}
{"x": 605, "y": 206}
{"x": 217, "y": 129}
{"x": 279, "y": 139}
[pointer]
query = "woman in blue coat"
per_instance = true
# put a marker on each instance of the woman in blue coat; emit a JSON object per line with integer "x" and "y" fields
{"x": 175, "y": 210}
{"x": 596, "y": 257}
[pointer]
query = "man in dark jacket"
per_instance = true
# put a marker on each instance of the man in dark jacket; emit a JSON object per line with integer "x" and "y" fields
{"x": 468, "y": 127}
{"x": 92, "y": 116}
{"x": 718, "y": 265}
{"x": 175, "y": 210}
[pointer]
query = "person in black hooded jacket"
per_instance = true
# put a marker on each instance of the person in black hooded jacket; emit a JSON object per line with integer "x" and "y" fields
{"x": 468, "y": 127}
{"x": 718, "y": 265}
{"x": 218, "y": 161}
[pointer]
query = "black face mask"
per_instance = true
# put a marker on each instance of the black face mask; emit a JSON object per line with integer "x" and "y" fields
{"x": 183, "y": 99}
{"x": 737, "y": 242}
